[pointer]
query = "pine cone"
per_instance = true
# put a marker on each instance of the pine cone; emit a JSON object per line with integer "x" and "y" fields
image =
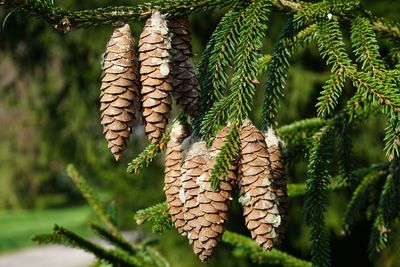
{"x": 118, "y": 90}
{"x": 186, "y": 86}
{"x": 156, "y": 80}
{"x": 275, "y": 146}
{"x": 206, "y": 210}
{"x": 173, "y": 165}
{"x": 260, "y": 203}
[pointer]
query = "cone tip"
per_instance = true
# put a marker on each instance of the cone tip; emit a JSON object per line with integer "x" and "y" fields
{"x": 117, "y": 157}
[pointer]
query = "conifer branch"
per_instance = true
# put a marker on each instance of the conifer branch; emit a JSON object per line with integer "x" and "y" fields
{"x": 65, "y": 237}
{"x": 300, "y": 131}
{"x": 389, "y": 29}
{"x": 148, "y": 154}
{"x": 226, "y": 156}
{"x": 109, "y": 15}
{"x": 64, "y": 19}
{"x": 359, "y": 200}
{"x": 87, "y": 192}
{"x": 156, "y": 256}
{"x": 113, "y": 240}
{"x": 278, "y": 68}
{"x": 316, "y": 198}
{"x": 387, "y": 210}
{"x": 246, "y": 247}
{"x": 158, "y": 215}
{"x": 213, "y": 75}
{"x": 331, "y": 46}
{"x": 242, "y": 83}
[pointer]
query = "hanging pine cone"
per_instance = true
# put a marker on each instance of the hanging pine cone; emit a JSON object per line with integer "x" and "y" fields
{"x": 206, "y": 210}
{"x": 118, "y": 90}
{"x": 186, "y": 86}
{"x": 156, "y": 80}
{"x": 173, "y": 166}
{"x": 258, "y": 198}
{"x": 275, "y": 146}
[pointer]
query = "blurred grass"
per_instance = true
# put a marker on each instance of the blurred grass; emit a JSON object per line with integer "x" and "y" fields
{"x": 18, "y": 227}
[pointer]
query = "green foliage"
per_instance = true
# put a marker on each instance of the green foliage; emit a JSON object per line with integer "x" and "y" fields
{"x": 65, "y": 237}
{"x": 148, "y": 154}
{"x": 359, "y": 200}
{"x": 315, "y": 202}
{"x": 230, "y": 68}
{"x": 242, "y": 83}
{"x": 123, "y": 253}
{"x": 158, "y": 215}
{"x": 277, "y": 70}
{"x": 386, "y": 212}
{"x": 246, "y": 247}
{"x": 213, "y": 71}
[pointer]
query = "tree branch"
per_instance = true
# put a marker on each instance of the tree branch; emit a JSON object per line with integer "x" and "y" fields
{"x": 63, "y": 20}
{"x": 384, "y": 28}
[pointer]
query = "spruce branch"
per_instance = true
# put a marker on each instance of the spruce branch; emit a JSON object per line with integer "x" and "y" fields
{"x": 299, "y": 131}
{"x": 109, "y": 15}
{"x": 215, "y": 117}
{"x": 87, "y": 192}
{"x": 278, "y": 68}
{"x": 316, "y": 198}
{"x": 148, "y": 154}
{"x": 392, "y": 138}
{"x": 156, "y": 257}
{"x": 64, "y": 19}
{"x": 63, "y": 236}
{"x": 213, "y": 66}
{"x": 242, "y": 84}
{"x": 375, "y": 91}
{"x": 387, "y": 210}
{"x": 227, "y": 155}
{"x": 345, "y": 152}
{"x": 246, "y": 247}
{"x": 114, "y": 240}
{"x": 359, "y": 200}
{"x": 365, "y": 47}
{"x": 158, "y": 215}
{"x": 385, "y": 28}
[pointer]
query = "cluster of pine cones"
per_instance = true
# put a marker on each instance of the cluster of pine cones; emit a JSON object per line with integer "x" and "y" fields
{"x": 165, "y": 70}
{"x": 200, "y": 212}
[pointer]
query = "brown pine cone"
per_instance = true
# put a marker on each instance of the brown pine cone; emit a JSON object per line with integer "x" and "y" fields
{"x": 186, "y": 86}
{"x": 260, "y": 203}
{"x": 206, "y": 210}
{"x": 118, "y": 90}
{"x": 173, "y": 166}
{"x": 156, "y": 79}
{"x": 275, "y": 146}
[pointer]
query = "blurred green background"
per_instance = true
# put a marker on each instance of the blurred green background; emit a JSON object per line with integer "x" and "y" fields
{"x": 49, "y": 87}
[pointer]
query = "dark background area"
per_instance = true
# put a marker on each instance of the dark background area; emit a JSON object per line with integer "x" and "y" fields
{"x": 49, "y": 88}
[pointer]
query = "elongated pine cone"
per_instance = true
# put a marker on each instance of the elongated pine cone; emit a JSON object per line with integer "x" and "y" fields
{"x": 186, "y": 86}
{"x": 206, "y": 210}
{"x": 275, "y": 146}
{"x": 118, "y": 90}
{"x": 173, "y": 166}
{"x": 156, "y": 80}
{"x": 258, "y": 197}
